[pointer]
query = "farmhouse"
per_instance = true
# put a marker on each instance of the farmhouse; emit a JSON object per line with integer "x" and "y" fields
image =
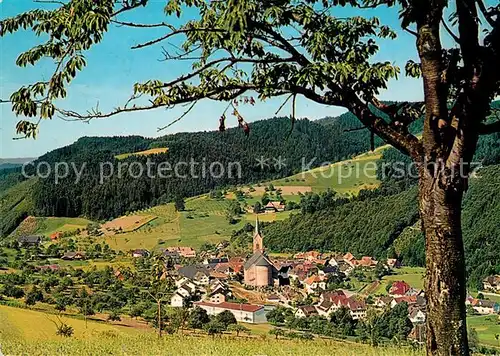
{"x": 484, "y": 307}
{"x": 306, "y": 311}
{"x": 274, "y": 207}
{"x": 177, "y": 300}
{"x": 324, "y": 308}
{"x": 29, "y": 241}
{"x": 365, "y": 261}
{"x": 313, "y": 283}
{"x": 246, "y": 313}
{"x": 383, "y": 302}
{"x": 492, "y": 283}
{"x": 186, "y": 252}
{"x": 399, "y": 289}
{"x": 74, "y": 256}
{"x": 416, "y": 315}
{"x": 357, "y": 309}
{"x": 140, "y": 253}
{"x": 199, "y": 274}
{"x": 408, "y": 300}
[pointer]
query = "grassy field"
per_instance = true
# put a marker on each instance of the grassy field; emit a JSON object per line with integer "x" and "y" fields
{"x": 164, "y": 228}
{"x": 48, "y": 225}
{"x": 490, "y": 296}
{"x": 28, "y": 332}
{"x": 487, "y": 327}
{"x": 34, "y": 325}
{"x": 55, "y": 224}
{"x": 414, "y": 276}
{"x": 152, "y": 151}
{"x": 346, "y": 177}
{"x": 88, "y": 264}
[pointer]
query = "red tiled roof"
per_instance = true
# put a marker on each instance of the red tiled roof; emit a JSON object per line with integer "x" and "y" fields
{"x": 399, "y": 287}
{"x": 313, "y": 279}
{"x": 410, "y": 300}
{"x": 348, "y": 256}
{"x": 232, "y": 306}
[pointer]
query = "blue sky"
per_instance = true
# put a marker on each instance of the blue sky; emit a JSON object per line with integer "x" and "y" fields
{"x": 112, "y": 69}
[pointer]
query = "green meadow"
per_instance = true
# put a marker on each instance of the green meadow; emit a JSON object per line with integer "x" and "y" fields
{"x": 346, "y": 177}
{"x": 27, "y": 332}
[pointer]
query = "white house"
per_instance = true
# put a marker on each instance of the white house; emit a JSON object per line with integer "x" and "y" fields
{"x": 484, "y": 307}
{"x": 305, "y": 311}
{"x": 314, "y": 283}
{"x": 325, "y": 308}
{"x": 177, "y": 300}
{"x": 246, "y": 313}
{"x": 416, "y": 316}
{"x": 492, "y": 283}
{"x": 217, "y": 298}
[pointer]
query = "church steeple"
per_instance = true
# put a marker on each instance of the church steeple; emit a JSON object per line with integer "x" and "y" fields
{"x": 258, "y": 241}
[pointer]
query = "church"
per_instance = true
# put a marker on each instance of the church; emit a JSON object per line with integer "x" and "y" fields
{"x": 258, "y": 269}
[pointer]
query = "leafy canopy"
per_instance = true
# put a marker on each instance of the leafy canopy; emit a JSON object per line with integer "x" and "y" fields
{"x": 269, "y": 47}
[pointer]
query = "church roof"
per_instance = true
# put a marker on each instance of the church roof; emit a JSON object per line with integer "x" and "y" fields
{"x": 258, "y": 259}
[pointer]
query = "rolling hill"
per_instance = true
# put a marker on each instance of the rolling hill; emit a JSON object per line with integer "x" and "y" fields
{"x": 102, "y": 199}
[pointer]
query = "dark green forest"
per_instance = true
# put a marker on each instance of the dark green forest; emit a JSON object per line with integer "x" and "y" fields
{"x": 386, "y": 225}
{"x": 328, "y": 140}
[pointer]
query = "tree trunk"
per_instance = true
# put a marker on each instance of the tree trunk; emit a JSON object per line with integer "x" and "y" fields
{"x": 445, "y": 289}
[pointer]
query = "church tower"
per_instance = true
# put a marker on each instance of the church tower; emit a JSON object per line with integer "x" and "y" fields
{"x": 258, "y": 241}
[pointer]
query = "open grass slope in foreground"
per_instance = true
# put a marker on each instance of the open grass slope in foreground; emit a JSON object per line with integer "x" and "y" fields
{"x": 26, "y": 332}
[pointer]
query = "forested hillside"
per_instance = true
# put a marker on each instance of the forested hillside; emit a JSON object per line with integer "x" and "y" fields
{"x": 309, "y": 142}
{"x": 362, "y": 226}
{"x": 381, "y": 225}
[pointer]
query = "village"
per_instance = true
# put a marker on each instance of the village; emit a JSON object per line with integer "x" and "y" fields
{"x": 308, "y": 284}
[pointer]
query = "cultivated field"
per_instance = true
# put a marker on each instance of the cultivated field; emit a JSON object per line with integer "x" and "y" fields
{"x": 126, "y": 223}
{"x": 286, "y": 190}
{"x": 49, "y": 225}
{"x": 153, "y": 151}
{"x": 346, "y": 177}
{"x": 32, "y": 333}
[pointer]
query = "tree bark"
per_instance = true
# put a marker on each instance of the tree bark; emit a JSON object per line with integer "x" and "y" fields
{"x": 440, "y": 209}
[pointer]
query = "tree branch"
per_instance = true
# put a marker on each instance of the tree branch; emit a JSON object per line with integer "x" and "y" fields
{"x": 140, "y": 25}
{"x": 173, "y": 33}
{"x": 179, "y": 119}
{"x": 484, "y": 11}
{"x": 450, "y": 32}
